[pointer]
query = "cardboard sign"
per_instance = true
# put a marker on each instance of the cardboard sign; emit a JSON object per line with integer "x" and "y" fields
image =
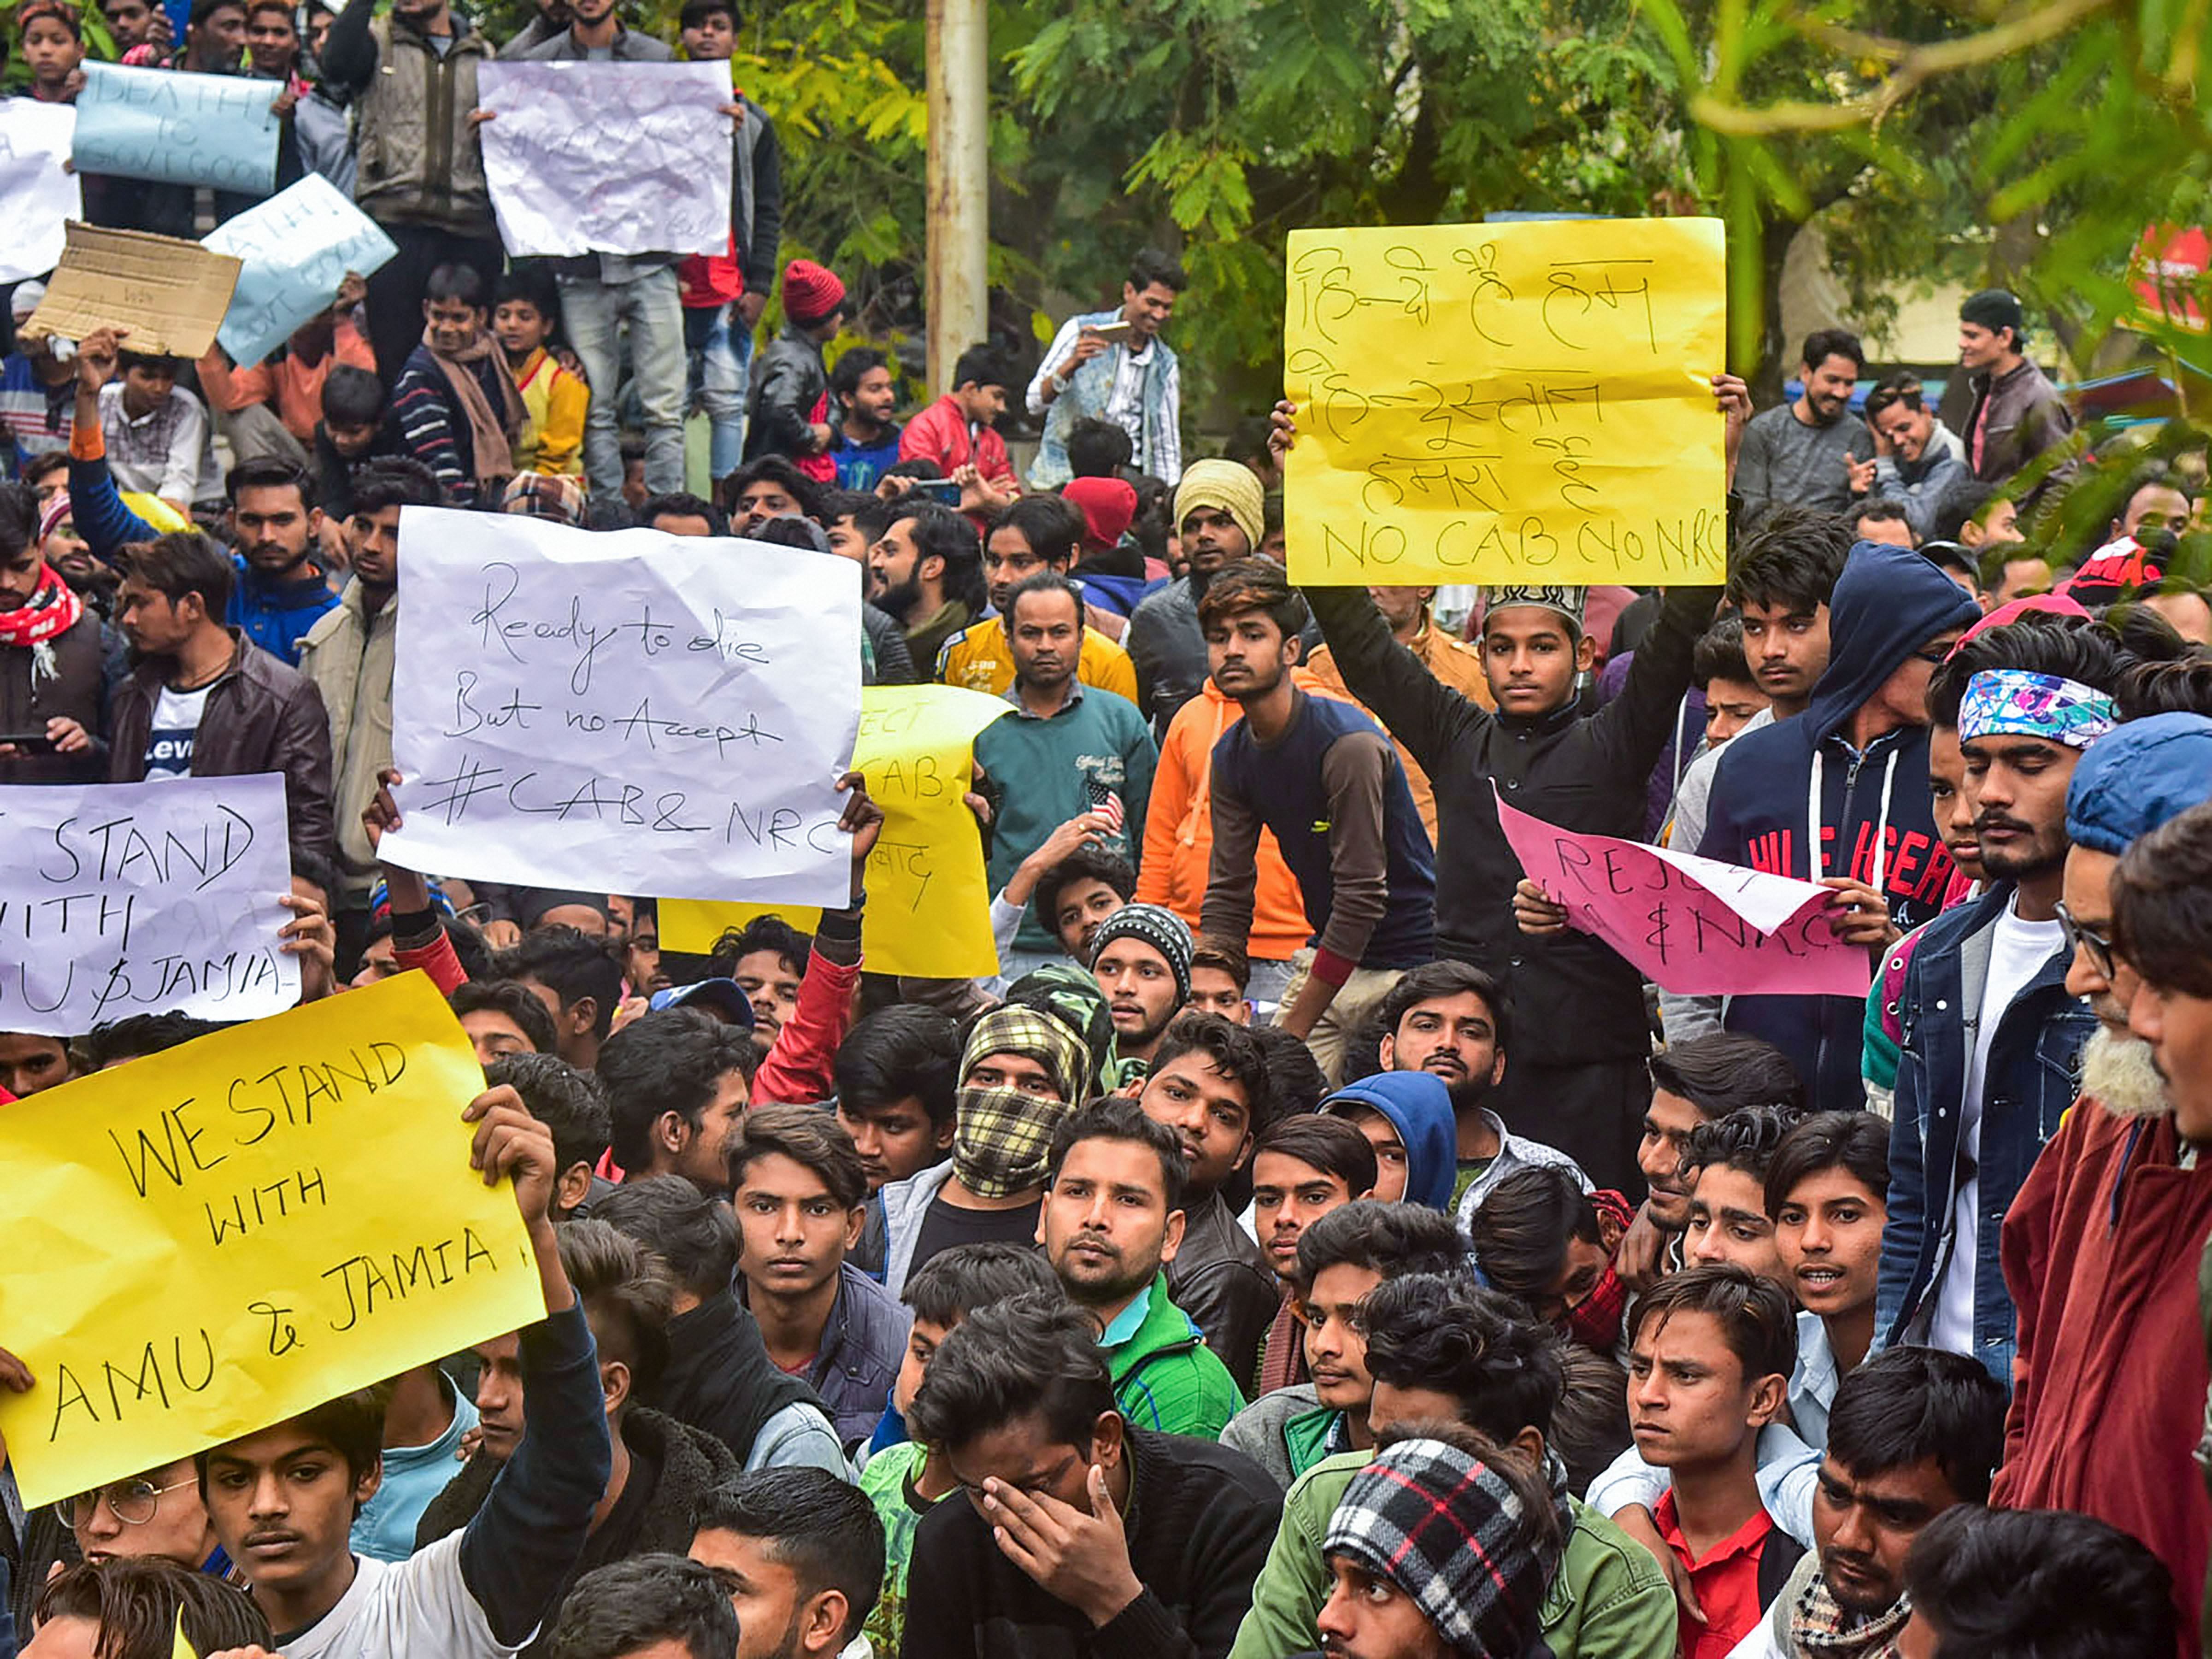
{"x": 1493, "y": 403}
{"x": 170, "y": 294}
{"x": 211, "y": 1240}
{"x": 1693, "y": 926}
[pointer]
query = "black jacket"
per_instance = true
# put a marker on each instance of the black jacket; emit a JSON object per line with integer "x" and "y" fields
{"x": 1201, "y": 1521}
{"x": 789, "y": 381}
{"x": 719, "y": 1377}
{"x": 671, "y": 1467}
{"x": 262, "y": 715}
{"x": 1220, "y": 1278}
{"x": 1581, "y": 1002}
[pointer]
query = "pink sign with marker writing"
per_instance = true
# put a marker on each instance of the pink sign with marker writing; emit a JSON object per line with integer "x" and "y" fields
{"x": 1694, "y": 926}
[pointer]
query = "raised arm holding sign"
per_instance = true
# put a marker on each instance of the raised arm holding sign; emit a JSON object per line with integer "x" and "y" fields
{"x": 1508, "y": 402}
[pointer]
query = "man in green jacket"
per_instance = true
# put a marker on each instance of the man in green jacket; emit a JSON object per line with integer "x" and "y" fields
{"x": 1443, "y": 1348}
{"x": 1112, "y": 1220}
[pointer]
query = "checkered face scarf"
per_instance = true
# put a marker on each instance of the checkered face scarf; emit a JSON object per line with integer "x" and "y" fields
{"x": 1454, "y": 1536}
{"x": 1002, "y": 1138}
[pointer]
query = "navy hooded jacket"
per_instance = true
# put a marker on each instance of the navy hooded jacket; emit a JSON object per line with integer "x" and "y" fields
{"x": 1873, "y": 806}
{"x": 1420, "y": 1105}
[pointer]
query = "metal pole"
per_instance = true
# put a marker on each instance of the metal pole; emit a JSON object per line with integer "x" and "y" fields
{"x": 957, "y": 298}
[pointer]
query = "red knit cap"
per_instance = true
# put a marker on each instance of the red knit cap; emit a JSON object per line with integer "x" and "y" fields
{"x": 811, "y": 292}
{"x": 1107, "y": 505}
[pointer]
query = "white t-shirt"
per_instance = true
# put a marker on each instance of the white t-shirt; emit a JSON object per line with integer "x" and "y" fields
{"x": 175, "y": 728}
{"x": 403, "y": 1610}
{"x": 2017, "y": 953}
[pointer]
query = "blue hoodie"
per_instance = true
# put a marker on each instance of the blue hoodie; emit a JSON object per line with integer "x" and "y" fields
{"x": 1420, "y": 1106}
{"x": 1888, "y": 603}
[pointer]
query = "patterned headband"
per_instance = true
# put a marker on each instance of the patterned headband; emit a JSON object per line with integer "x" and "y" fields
{"x": 2011, "y": 701}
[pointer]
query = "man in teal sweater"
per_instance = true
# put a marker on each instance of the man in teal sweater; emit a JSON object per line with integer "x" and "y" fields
{"x": 1061, "y": 750}
{"x": 1441, "y": 1347}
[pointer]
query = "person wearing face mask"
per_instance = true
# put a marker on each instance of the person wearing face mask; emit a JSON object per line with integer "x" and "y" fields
{"x": 2110, "y": 1377}
{"x": 1542, "y": 1238}
{"x": 1024, "y": 1071}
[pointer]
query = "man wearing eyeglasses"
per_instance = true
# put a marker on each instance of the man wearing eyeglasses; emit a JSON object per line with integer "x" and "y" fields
{"x": 2100, "y": 1246}
{"x": 1991, "y": 1037}
{"x": 1839, "y": 794}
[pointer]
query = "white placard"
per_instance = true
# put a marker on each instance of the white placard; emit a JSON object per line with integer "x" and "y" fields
{"x": 608, "y": 158}
{"x": 629, "y": 712}
{"x": 138, "y": 898}
{"x": 41, "y": 197}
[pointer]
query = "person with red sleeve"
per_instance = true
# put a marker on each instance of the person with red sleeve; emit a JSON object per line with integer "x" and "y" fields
{"x": 2100, "y": 1243}
{"x": 955, "y": 435}
{"x": 800, "y": 1066}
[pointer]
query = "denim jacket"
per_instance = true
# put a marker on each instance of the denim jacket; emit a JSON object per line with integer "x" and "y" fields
{"x": 2033, "y": 1077}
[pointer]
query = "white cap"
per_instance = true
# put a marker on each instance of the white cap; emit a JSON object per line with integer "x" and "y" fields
{"x": 26, "y": 298}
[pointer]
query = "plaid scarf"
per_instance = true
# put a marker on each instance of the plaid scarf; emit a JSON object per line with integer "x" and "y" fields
{"x": 1450, "y": 1532}
{"x": 1819, "y": 1629}
{"x": 1002, "y": 1138}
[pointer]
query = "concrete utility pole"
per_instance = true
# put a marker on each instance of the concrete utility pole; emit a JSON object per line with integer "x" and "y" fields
{"x": 957, "y": 299}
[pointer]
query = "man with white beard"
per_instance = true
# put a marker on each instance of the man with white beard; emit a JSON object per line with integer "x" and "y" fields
{"x": 2101, "y": 1244}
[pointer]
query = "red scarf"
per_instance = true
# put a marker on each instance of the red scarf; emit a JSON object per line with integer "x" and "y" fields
{"x": 53, "y": 609}
{"x": 1594, "y": 1322}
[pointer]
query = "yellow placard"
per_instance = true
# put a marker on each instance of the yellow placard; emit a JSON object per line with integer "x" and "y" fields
{"x": 206, "y": 1241}
{"x": 1527, "y": 402}
{"x": 929, "y": 903}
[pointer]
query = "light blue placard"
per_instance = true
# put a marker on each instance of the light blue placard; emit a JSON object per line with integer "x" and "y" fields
{"x": 293, "y": 251}
{"x": 176, "y": 128}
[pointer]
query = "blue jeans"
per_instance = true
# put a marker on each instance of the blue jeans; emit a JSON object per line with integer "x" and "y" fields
{"x": 720, "y": 348}
{"x": 643, "y": 319}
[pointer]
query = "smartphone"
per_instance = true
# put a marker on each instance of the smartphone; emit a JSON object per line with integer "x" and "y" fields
{"x": 943, "y": 491}
{"x": 37, "y": 742}
{"x": 1117, "y": 330}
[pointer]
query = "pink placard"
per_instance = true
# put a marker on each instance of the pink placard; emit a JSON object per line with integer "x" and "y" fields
{"x": 1693, "y": 925}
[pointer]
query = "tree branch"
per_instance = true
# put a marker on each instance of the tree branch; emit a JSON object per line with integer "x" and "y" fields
{"x": 1914, "y": 65}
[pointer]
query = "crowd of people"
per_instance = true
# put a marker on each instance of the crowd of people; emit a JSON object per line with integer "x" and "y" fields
{"x": 1305, "y": 1243}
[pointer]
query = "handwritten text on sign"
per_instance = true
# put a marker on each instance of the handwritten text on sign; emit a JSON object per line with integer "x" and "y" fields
{"x": 134, "y": 899}
{"x": 293, "y": 250}
{"x": 206, "y": 1243}
{"x": 1693, "y": 925}
{"x": 929, "y": 904}
{"x": 627, "y": 711}
{"x": 178, "y": 128}
{"x": 1493, "y": 403}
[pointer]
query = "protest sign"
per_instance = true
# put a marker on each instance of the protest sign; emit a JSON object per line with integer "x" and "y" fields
{"x": 628, "y": 712}
{"x": 1506, "y": 402}
{"x": 608, "y": 158}
{"x": 178, "y": 128}
{"x": 171, "y": 294}
{"x": 41, "y": 195}
{"x": 929, "y": 902}
{"x": 206, "y": 1243}
{"x": 293, "y": 252}
{"x": 1694, "y": 926}
{"x": 138, "y": 898}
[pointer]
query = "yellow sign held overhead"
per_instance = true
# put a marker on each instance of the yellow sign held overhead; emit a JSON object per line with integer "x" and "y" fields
{"x": 211, "y": 1241}
{"x": 929, "y": 903}
{"x": 1523, "y": 402}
